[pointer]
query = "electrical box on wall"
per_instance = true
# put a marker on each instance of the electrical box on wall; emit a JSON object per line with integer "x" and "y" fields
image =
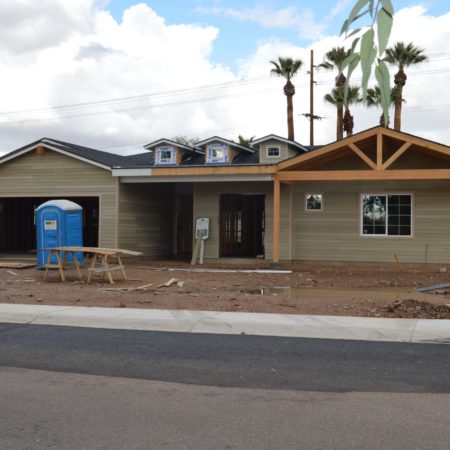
{"x": 202, "y": 228}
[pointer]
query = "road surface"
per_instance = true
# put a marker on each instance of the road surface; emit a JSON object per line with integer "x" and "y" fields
{"x": 81, "y": 388}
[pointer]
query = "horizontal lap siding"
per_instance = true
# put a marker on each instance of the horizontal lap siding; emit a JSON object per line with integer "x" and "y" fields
{"x": 334, "y": 234}
{"x": 53, "y": 174}
{"x": 146, "y": 220}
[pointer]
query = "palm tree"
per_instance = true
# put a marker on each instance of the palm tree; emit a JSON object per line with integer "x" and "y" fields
{"x": 402, "y": 56}
{"x": 246, "y": 142}
{"x": 336, "y": 98}
{"x": 334, "y": 59}
{"x": 374, "y": 99}
{"x": 287, "y": 68}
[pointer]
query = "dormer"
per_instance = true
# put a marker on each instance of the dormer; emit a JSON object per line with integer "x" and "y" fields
{"x": 222, "y": 151}
{"x": 273, "y": 149}
{"x": 170, "y": 153}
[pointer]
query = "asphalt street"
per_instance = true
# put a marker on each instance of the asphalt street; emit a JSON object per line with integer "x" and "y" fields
{"x": 43, "y": 410}
{"x": 230, "y": 361}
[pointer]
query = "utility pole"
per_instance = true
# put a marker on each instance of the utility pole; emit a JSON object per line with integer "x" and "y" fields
{"x": 311, "y": 115}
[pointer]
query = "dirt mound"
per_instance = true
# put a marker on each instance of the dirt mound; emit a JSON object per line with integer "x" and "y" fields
{"x": 415, "y": 309}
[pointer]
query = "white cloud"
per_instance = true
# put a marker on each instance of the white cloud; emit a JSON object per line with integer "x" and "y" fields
{"x": 290, "y": 17}
{"x": 98, "y": 58}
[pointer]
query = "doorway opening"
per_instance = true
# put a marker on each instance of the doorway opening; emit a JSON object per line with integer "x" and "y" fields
{"x": 241, "y": 225}
{"x": 184, "y": 211}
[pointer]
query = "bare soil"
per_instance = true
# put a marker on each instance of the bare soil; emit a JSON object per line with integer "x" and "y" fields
{"x": 370, "y": 290}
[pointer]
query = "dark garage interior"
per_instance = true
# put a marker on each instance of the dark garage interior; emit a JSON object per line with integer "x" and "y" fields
{"x": 17, "y": 225}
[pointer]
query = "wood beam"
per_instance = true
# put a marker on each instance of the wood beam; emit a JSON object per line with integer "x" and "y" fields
{"x": 329, "y": 148}
{"x": 205, "y": 170}
{"x": 362, "y": 175}
{"x": 420, "y": 142}
{"x": 396, "y": 155}
{"x": 379, "y": 150}
{"x": 363, "y": 156}
{"x": 276, "y": 221}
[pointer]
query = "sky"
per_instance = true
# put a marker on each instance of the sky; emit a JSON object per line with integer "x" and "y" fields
{"x": 116, "y": 75}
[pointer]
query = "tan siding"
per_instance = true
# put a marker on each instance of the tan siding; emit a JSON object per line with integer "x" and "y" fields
{"x": 284, "y": 152}
{"x": 146, "y": 218}
{"x": 206, "y": 204}
{"x": 53, "y": 174}
{"x": 334, "y": 234}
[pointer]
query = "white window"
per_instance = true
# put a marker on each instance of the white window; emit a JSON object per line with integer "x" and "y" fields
{"x": 217, "y": 153}
{"x": 273, "y": 152}
{"x": 313, "y": 202}
{"x": 386, "y": 215}
{"x": 166, "y": 155}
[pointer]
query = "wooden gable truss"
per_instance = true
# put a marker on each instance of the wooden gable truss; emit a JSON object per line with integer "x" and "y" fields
{"x": 375, "y": 154}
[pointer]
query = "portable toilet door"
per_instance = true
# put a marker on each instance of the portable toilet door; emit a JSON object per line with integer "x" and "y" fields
{"x": 58, "y": 224}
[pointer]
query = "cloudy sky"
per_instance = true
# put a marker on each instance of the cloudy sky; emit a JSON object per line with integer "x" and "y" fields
{"x": 118, "y": 74}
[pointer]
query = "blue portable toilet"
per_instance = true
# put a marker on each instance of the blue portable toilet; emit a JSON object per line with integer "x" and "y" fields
{"x": 59, "y": 223}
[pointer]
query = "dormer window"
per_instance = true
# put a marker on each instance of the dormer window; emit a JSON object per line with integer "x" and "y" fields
{"x": 217, "y": 153}
{"x": 165, "y": 155}
{"x": 273, "y": 152}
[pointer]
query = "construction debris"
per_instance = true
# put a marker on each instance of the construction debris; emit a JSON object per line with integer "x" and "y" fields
{"x": 127, "y": 289}
{"x": 415, "y": 309}
{"x": 11, "y": 272}
{"x": 15, "y": 265}
{"x": 434, "y": 288}
{"x": 169, "y": 283}
{"x": 275, "y": 271}
{"x": 180, "y": 284}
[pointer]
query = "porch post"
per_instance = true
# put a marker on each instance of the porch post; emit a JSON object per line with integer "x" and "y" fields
{"x": 276, "y": 220}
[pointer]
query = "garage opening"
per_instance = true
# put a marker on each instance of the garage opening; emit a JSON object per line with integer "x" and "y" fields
{"x": 17, "y": 226}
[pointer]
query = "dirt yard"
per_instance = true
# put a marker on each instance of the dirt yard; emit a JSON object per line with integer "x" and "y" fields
{"x": 373, "y": 290}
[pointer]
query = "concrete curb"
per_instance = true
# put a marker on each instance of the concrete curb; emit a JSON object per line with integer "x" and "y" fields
{"x": 285, "y": 325}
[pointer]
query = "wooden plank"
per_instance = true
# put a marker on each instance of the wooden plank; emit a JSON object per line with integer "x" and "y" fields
{"x": 207, "y": 170}
{"x": 334, "y": 146}
{"x": 424, "y": 143}
{"x": 362, "y": 155}
{"x": 355, "y": 175}
{"x": 104, "y": 269}
{"x": 396, "y": 155}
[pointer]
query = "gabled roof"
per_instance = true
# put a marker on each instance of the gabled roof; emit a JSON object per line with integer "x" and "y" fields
{"x": 225, "y": 141}
{"x": 378, "y": 153}
{"x": 98, "y": 158}
{"x": 281, "y": 139}
{"x": 172, "y": 143}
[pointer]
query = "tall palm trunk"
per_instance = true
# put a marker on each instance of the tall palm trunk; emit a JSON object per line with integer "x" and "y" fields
{"x": 340, "y": 123}
{"x": 400, "y": 81}
{"x": 289, "y": 91}
{"x": 348, "y": 122}
{"x": 340, "y": 83}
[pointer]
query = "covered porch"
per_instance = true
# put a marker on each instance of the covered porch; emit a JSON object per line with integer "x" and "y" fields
{"x": 382, "y": 193}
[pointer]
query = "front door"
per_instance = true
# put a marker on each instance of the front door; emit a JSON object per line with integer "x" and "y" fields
{"x": 242, "y": 225}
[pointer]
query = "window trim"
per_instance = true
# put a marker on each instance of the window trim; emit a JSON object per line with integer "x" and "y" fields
{"x": 210, "y": 147}
{"x": 386, "y": 236}
{"x": 273, "y": 156}
{"x": 321, "y": 204}
{"x": 173, "y": 159}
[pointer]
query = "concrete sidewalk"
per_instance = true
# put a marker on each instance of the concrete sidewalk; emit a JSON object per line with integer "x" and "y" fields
{"x": 287, "y": 325}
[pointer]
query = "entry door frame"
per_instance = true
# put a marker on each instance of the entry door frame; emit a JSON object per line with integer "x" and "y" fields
{"x": 241, "y": 225}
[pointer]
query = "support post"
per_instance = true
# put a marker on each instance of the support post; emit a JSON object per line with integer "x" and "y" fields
{"x": 379, "y": 151}
{"x": 311, "y": 101}
{"x": 276, "y": 221}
